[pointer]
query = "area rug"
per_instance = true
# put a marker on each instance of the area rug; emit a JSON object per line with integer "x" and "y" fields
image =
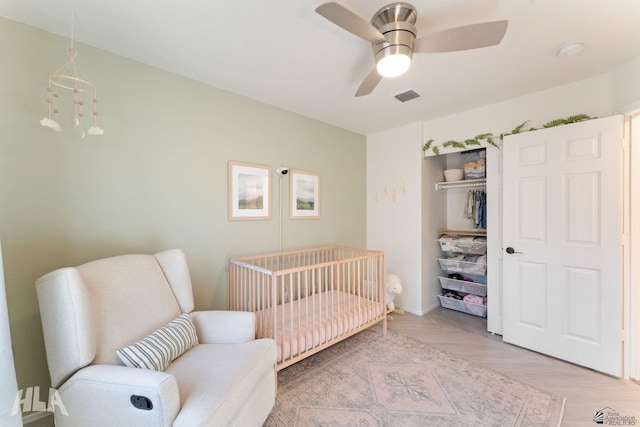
{"x": 375, "y": 380}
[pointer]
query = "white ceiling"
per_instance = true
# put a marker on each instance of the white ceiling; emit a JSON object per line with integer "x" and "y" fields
{"x": 282, "y": 53}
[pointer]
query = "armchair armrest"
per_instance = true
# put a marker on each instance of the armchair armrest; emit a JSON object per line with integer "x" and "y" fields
{"x": 101, "y": 396}
{"x": 224, "y": 327}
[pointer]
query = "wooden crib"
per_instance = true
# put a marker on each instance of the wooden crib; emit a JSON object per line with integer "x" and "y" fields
{"x": 310, "y": 299}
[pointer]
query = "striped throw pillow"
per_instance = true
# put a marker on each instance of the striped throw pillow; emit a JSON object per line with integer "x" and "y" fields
{"x": 158, "y": 350}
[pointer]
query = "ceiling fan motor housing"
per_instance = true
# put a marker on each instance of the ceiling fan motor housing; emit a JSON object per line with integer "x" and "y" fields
{"x": 397, "y": 23}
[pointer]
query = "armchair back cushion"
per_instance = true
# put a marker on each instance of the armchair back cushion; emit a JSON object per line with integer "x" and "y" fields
{"x": 116, "y": 301}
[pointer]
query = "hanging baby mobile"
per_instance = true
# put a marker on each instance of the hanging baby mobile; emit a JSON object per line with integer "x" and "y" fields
{"x": 69, "y": 78}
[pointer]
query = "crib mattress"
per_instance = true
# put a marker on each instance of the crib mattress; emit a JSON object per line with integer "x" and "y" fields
{"x": 315, "y": 320}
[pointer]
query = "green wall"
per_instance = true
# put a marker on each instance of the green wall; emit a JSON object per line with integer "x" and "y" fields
{"x": 156, "y": 179}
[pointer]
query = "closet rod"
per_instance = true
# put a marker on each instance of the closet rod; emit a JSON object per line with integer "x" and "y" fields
{"x": 462, "y": 184}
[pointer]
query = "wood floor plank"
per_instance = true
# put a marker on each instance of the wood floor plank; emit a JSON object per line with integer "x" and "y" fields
{"x": 466, "y": 336}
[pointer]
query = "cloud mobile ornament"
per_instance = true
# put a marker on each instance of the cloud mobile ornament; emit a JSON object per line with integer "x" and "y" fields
{"x": 70, "y": 78}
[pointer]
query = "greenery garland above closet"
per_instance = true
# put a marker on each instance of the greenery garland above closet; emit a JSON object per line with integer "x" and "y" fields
{"x": 489, "y": 138}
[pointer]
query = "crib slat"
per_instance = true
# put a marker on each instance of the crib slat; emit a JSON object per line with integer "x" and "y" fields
{"x": 310, "y": 298}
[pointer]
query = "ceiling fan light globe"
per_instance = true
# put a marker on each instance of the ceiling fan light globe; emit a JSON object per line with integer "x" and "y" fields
{"x": 393, "y": 65}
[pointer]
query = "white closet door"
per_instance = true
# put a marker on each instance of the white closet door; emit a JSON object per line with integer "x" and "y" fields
{"x": 562, "y": 222}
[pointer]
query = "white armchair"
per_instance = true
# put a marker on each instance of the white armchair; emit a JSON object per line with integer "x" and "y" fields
{"x": 92, "y": 311}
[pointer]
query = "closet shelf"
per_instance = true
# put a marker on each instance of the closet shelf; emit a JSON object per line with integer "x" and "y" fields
{"x": 481, "y": 233}
{"x": 467, "y": 183}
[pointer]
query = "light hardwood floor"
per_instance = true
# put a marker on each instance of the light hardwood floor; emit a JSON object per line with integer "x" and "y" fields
{"x": 466, "y": 336}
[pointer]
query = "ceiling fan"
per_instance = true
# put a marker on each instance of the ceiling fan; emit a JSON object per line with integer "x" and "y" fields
{"x": 392, "y": 33}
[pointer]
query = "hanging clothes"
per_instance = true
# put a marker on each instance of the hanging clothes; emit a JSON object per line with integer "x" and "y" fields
{"x": 475, "y": 208}
{"x": 482, "y": 216}
{"x": 467, "y": 205}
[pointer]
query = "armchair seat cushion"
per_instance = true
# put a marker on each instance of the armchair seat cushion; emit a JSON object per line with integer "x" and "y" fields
{"x": 223, "y": 375}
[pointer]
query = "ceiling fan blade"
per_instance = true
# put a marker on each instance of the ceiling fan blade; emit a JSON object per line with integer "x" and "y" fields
{"x": 351, "y": 22}
{"x": 462, "y": 38}
{"x": 369, "y": 83}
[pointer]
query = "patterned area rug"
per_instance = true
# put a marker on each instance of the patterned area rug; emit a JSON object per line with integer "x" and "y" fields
{"x": 375, "y": 380}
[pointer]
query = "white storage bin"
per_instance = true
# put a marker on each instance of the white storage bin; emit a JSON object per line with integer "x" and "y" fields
{"x": 463, "y": 306}
{"x": 463, "y": 244}
{"x": 461, "y": 266}
{"x": 463, "y": 286}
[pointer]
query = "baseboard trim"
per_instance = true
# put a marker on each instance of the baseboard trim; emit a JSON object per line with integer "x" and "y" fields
{"x": 433, "y": 307}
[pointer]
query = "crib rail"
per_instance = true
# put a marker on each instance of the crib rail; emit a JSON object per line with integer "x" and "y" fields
{"x": 309, "y": 299}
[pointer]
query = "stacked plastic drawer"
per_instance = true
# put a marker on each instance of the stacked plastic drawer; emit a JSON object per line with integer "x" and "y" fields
{"x": 464, "y": 270}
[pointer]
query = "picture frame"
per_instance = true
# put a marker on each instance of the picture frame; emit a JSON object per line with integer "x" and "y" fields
{"x": 249, "y": 191}
{"x": 304, "y": 195}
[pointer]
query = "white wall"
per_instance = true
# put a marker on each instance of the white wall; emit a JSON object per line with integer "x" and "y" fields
{"x": 592, "y": 96}
{"x": 394, "y": 206}
{"x": 434, "y": 220}
{"x": 393, "y": 226}
{"x": 394, "y": 157}
{"x": 626, "y": 96}
{"x": 634, "y": 289}
{"x": 626, "y": 86}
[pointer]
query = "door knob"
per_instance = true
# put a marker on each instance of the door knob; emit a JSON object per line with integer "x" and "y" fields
{"x": 512, "y": 251}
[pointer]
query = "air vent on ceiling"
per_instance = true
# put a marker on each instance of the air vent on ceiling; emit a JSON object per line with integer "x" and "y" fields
{"x": 407, "y": 96}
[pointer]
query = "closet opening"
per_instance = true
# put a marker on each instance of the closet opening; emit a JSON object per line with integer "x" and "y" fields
{"x": 455, "y": 219}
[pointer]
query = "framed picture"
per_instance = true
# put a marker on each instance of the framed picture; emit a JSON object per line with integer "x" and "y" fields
{"x": 304, "y": 195}
{"x": 249, "y": 191}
